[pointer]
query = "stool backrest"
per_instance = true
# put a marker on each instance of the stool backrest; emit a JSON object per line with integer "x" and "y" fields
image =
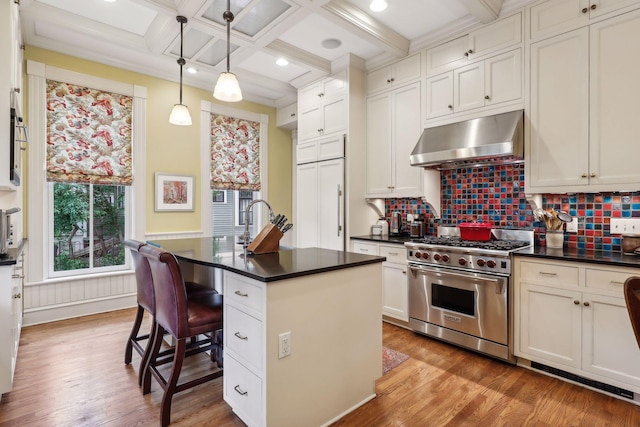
{"x": 632, "y": 297}
{"x": 144, "y": 280}
{"x": 170, "y": 292}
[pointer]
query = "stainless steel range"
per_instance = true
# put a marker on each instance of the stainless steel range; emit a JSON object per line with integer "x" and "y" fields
{"x": 460, "y": 290}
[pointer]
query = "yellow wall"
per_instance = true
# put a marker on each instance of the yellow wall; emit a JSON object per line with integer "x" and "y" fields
{"x": 176, "y": 149}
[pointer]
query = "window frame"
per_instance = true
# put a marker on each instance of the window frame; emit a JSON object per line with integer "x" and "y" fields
{"x": 40, "y": 252}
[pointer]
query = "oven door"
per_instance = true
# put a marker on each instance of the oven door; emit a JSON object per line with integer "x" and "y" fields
{"x": 467, "y": 302}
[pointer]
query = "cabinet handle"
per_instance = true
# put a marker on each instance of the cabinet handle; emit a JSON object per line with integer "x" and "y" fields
{"x": 487, "y": 97}
{"x": 392, "y": 80}
{"x": 393, "y": 253}
{"x": 404, "y": 272}
{"x": 241, "y": 294}
{"x": 388, "y": 80}
{"x": 586, "y": 303}
{"x": 450, "y": 107}
{"x": 584, "y": 175}
{"x": 293, "y": 114}
{"x": 466, "y": 54}
{"x": 594, "y": 6}
{"x": 239, "y": 390}
{"x": 242, "y": 337}
{"x": 17, "y": 276}
{"x": 17, "y": 296}
{"x": 615, "y": 282}
{"x": 339, "y": 225}
{"x": 576, "y": 302}
{"x": 593, "y": 175}
{"x": 544, "y": 273}
{"x": 585, "y": 10}
{"x": 364, "y": 250}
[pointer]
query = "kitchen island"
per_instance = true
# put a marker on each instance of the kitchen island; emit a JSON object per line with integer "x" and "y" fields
{"x": 320, "y": 306}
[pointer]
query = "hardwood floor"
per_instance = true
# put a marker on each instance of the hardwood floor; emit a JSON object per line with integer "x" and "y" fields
{"x": 71, "y": 373}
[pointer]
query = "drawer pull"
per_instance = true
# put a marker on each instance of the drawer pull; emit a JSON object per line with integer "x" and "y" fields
{"x": 17, "y": 296}
{"x": 240, "y": 391}
{"x": 586, "y": 303}
{"x": 393, "y": 253}
{"x": 576, "y": 302}
{"x": 242, "y": 337}
{"x": 615, "y": 282}
{"x": 364, "y": 250}
{"x": 241, "y": 294}
{"x": 544, "y": 273}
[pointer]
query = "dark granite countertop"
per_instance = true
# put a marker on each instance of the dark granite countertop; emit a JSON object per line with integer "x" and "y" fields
{"x": 581, "y": 255}
{"x": 398, "y": 240}
{"x": 284, "y": 264}
{"x": 12, "y": 255}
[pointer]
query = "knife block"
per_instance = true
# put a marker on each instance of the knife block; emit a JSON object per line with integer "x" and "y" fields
{"x": 267, "y": 241}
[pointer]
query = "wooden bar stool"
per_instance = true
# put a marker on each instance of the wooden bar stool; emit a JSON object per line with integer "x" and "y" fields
{"x": 181, "y": 317}
{"x": 632, "y": 298}
{"x": 146, "y": 302}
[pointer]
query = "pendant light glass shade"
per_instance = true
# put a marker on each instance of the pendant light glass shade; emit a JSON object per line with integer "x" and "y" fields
{"x": 180, "y": 115}
{"x": 227, "y": 88}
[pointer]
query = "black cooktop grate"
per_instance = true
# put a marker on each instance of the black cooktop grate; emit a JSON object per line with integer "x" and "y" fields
{"x": 499, "y": 245}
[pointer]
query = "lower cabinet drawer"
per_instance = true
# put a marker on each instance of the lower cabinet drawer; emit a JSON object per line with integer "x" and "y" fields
{"x": 548, "y": 274}
{"x": 243, "y": 392}
{"x": 242, "y": 291}
{"x": 244, "y": 336}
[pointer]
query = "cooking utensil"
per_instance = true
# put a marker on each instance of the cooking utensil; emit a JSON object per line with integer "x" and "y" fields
{"x": 276, "y": 219}
{"x": 287, "y": 228}
{"x": 564, "y": 217}
{"x": 478, "y": 231}
{"x": 282, "y": 222}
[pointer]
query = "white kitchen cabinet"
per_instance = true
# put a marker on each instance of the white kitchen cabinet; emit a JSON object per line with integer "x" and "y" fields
{"x": 570, "y": 315}
{"x": 486, "y": 83}
{"x": 404, "y": 71}
{"x": 260, "y": 386}
{"x": 10, "y": 82}
{"x": 395, "y": 292}
{"x": 320, "y": 204}
{"x": 489, "y": 39}
{"x": 322, "y": 107}
{"x": 555, "y": 16}
{"x": 320, "y": 149}
{"x": 583, "y": 109}
{"x": 11, "y": 291}
{"x": 287, "y": 117}
{"x": 393, "y": 129}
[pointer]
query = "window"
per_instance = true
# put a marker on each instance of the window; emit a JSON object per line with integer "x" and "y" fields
{"x": 219, "y": 196}
{"x": 88, "y": 226}
{"x": 244, "y": 198}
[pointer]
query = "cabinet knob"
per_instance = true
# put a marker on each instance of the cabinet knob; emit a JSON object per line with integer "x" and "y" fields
{"x": 389, "y": 80}
{"x": 466, "y": 54}
{"x": 593, "y": 175}
{"x": 584, "y": 175}
{"x": 293, "y": 114}
{"x": 576, "y": 302}
{"x": 586, "y": 304}
{"x": 17, "y": 296}
{"x": 450, "y": 107}
{"x": 594, "y": 6}
{"x": 392, "y": 80}
{"x": 585, "y": 10}
{"x": 487, "y": 97}
{"x": 404, "y": 272}
{"x": 470, "y": 51}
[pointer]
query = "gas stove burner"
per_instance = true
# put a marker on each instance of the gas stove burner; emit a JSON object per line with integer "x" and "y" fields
{"x": 496, "y": 245}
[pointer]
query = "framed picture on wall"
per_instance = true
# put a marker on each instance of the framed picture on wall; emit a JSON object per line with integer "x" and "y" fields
{"x": 174, "y": 192}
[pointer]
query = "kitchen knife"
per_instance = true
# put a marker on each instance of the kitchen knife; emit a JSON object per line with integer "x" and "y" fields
{"x": 282, "y": 222}
{"x": 275, "y": 220}
{"x": 286, "y": 228}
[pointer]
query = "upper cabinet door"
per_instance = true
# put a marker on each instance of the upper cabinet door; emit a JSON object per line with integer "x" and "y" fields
{"x": 378, "y": 173}
{"x": 501, "y": 34}
{"x": 448, "y": 55}
{"x": 468, "y": 87}
{"x": 439, "y": 93}
{"x": 406, "y": 130}
{"x": 554, "y": 16}
{"x": 503, "y": 78}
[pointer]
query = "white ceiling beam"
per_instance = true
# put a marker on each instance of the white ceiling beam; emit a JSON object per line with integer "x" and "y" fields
{"x": 298, "y": 56}
{"x": 485, "y": 10}
{"x": 365, "y": 26}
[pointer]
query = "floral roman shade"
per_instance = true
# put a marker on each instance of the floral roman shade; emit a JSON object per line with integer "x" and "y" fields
{"x": 235, "y": 153}
{"x": 88, "y": 135}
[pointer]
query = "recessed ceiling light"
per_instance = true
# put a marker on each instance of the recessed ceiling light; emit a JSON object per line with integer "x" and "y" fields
{"x": 378, "y": 5}
{"x": 282, "y": 62}
{"x": 192, "y": 70}
{"x": 331, "y": 43}
{"x": 110, "y": 1}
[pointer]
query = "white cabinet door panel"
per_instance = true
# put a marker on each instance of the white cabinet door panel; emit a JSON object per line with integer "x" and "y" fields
{"x": 439, "y": 92}
{"x": 331, "y": 210}
{"x": 407, "y": 127}
{"x": 468, "y": 87}
{"x": 503, "y": 78}
{"x": 307, "y": 205}
{"x": 378, "y": 155}
{"x": 394, "y": 291}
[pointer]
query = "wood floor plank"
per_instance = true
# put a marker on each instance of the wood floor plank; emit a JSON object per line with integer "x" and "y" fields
{"x": 71, "y": 373}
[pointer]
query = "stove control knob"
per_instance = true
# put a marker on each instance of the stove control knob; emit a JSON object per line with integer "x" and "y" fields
{"x": 425, "y": 255}
{"x": 480, "y": 262}
{"x": 491, "y": 263}
{"x": 436, "y": 257}
{"x": 445, "y": 258}
{"x": 418, "y": 255}
{"x": 462, "y": 261}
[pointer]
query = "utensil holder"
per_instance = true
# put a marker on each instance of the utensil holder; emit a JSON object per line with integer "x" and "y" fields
{"x": 555, "y": 238}
{"x": 267, "y": 241}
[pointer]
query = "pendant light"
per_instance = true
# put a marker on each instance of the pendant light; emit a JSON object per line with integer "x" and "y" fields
{"x": 180, "y": 114}
{"x": 227, "y": 88}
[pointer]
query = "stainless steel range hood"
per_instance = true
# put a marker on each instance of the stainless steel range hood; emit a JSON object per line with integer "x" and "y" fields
{"x": 497, "y": 139}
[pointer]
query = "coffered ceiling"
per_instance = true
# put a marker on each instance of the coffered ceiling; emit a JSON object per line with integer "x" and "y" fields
{"x": 144, "y": 36}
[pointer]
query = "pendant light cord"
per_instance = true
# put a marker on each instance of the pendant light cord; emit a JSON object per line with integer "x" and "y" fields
{"x": 181, "y": 60}
{"x": 228, "y": 16}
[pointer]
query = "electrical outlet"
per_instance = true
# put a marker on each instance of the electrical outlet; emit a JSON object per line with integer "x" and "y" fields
{"x": 572, "y": 227}
{"x": 624, "y": 225}
{"x": 284, "y": 344}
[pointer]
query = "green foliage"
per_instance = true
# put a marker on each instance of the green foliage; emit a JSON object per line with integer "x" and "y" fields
{"x": 70, "y": 208}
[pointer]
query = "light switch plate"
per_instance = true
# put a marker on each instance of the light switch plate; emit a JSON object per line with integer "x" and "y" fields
{"x": 572, "y": 227}
{"x": 625, "y": 225}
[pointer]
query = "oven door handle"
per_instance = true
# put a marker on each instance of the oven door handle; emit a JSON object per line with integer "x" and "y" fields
{"x": 498, "y": 282}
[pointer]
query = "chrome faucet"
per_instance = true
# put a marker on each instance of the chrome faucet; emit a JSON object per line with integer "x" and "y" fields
{"x": 246, "y": 236}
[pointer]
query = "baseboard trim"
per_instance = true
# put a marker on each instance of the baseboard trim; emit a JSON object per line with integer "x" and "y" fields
{"x": 36, "y": 316}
